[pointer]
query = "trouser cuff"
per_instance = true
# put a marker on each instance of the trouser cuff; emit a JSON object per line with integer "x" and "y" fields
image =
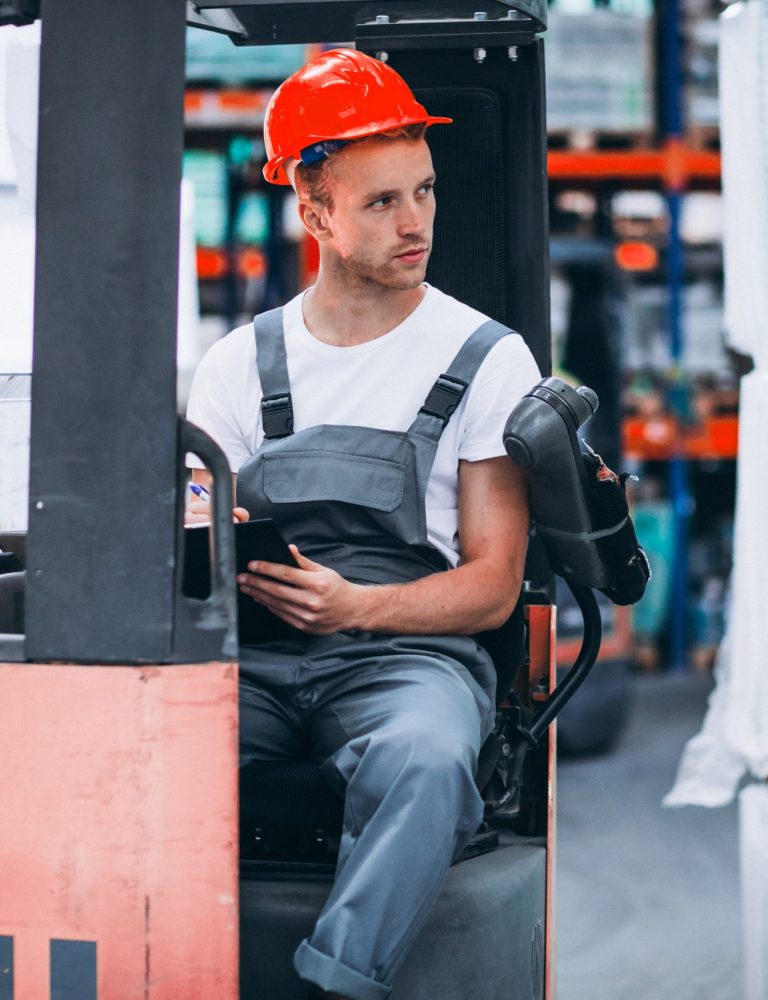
{"x": 332, "y": 975}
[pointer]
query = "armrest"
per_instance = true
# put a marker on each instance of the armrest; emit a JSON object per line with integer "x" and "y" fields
{"x": 579, "y": 506}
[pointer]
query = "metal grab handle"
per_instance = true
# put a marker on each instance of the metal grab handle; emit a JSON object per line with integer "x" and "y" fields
{"x": 590, "y": 647}
{"x": 223, "y": 598}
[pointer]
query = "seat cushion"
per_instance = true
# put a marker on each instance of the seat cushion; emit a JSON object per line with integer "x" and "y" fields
{"x": 482, "y": 941}
{"x": 288, "y": 793}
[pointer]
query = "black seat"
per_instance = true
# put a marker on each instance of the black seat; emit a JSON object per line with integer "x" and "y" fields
{"x": 289, "y": 811}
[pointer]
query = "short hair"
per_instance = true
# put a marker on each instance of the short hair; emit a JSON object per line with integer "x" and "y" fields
{"x": 313, "y": 181}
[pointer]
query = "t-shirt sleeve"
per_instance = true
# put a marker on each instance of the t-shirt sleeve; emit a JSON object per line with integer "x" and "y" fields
{"x": 211, "y": 407}
{"x": 505, "y": 376}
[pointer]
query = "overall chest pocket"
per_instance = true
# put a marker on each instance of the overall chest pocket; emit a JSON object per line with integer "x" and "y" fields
{"x": 297, "y": 476}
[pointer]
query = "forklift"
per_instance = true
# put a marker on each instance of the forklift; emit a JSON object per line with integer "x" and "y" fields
{"x": 136, "y": 863}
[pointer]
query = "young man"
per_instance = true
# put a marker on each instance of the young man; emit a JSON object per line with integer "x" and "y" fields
{"x": 366, "y": 418}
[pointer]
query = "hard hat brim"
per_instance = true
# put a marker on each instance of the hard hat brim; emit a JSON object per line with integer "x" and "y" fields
{"x": 274, "y": 169}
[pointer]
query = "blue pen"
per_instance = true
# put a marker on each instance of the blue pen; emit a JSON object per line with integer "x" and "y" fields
{"x": 200, "y": 492}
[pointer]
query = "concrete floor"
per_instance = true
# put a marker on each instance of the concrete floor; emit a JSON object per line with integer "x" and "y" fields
{"x": 648, "y": 899}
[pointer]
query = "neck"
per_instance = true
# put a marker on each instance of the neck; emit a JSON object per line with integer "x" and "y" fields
{"x": 354, "y": 313}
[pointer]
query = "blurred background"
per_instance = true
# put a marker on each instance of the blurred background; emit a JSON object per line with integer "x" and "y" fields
{"x": 648, "y": 903}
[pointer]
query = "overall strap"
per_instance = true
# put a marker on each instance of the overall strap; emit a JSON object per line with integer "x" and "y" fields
{"x": 450, "y": 387}
{"x": 272, "y": 365}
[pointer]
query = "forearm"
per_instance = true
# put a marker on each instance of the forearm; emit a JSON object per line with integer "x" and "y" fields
{"x": 462, "y": 601}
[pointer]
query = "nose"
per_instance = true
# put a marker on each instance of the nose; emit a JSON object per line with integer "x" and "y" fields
{"x": 414, "y": 218}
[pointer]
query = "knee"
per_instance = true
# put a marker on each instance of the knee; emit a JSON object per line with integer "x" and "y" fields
{"x": 426, "y": 774}
{"x": 428, "y": 751}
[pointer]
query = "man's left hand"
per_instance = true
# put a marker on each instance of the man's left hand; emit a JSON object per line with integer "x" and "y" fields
{"x": 311, "y": 597}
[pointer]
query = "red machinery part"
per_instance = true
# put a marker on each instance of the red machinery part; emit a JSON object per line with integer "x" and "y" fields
{"x": 118, "y": 828}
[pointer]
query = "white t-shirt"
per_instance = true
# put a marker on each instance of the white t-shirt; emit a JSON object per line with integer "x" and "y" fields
{"x": 381, "y": 383}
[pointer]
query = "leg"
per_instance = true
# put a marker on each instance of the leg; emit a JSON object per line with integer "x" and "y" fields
{"x": 269, "y": 730}
{"x": 404, "y": 735}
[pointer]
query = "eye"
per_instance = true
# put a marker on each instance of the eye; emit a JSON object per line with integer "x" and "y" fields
{"x": 426, "y": 189}
{"x": 382, "y": 202}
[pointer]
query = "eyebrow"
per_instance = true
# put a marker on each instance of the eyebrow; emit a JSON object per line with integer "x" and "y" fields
{"x": 376, "y": 195}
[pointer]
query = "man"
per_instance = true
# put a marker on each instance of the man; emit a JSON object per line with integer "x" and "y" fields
{"x": 366, "y": 418}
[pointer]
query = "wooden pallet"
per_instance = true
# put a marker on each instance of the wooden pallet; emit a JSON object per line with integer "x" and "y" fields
{"x": 608, "y": 139}
{"x": 701, "y": 138}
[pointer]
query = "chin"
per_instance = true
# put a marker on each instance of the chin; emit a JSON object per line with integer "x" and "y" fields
{"x": 388, "y": 276}
{"x": 405, "y": 282}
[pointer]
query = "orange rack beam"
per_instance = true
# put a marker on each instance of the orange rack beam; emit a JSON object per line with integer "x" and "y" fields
{"x": 672, "y": 166}
{"x": 662, "y": 437}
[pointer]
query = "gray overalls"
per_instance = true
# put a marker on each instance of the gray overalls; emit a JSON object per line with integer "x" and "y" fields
{"x": 395, "y": 720}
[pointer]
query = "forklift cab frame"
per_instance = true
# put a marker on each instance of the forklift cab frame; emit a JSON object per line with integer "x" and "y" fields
{"x": 142, "y": 674}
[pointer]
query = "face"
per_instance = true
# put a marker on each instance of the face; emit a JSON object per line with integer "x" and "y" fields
{"x": 380, "y": 227}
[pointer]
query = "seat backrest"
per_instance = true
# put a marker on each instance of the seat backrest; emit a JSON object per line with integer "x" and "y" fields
{"x": 491, "y": 229}
{"x": 506, "y": 647}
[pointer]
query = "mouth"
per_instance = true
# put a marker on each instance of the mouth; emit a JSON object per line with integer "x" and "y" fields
{"x": 415, "y": 255}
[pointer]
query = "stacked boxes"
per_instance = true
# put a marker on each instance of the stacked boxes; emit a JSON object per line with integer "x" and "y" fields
{"x": 599, "y": 71}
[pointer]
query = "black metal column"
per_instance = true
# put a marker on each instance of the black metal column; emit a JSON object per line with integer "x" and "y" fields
{"x": 102, "y": 528}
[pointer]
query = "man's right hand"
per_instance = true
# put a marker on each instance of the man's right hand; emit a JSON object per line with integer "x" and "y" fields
{"x": 199, "y": 512}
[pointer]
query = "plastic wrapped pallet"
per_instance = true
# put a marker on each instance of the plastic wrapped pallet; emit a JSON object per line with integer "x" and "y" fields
{"x": 701, "y": 76}
{"x": 599, "y": 72}
{"x": 734, "y": 738}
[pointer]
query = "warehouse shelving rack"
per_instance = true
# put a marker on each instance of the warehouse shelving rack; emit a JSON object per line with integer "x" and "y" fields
{"x": 674, "y": 166}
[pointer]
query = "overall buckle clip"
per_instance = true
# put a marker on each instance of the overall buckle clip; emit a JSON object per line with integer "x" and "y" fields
{"x": 444, "y": 396}
{"x": 277, "y": 415}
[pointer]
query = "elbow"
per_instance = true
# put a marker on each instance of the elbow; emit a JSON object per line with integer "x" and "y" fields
{"x": 504, "y": 604}
{"x": 495, "y": 619}
{"x": 500, "y": 613}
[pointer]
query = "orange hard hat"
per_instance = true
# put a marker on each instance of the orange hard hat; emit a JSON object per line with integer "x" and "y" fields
{"x": 340, "y": 95}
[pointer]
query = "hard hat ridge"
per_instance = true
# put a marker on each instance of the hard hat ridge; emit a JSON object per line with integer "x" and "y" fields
{"x": 339, "y": 96}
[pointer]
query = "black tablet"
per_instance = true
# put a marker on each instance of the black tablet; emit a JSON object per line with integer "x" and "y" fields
{"x": 259, "y": 539}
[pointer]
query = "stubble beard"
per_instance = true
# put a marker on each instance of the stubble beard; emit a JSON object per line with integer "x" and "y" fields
{"x": 362, "y": 270}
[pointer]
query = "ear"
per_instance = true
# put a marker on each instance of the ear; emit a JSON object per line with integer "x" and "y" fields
{"x": 314, "y": 218}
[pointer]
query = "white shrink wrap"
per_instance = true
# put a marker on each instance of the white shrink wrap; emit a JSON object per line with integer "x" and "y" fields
{"x": 734, "y": 737}
{"x": 733, "y": 741}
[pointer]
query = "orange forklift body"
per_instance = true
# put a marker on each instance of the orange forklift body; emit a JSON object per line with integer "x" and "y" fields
{"x": 118, "y": 832}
